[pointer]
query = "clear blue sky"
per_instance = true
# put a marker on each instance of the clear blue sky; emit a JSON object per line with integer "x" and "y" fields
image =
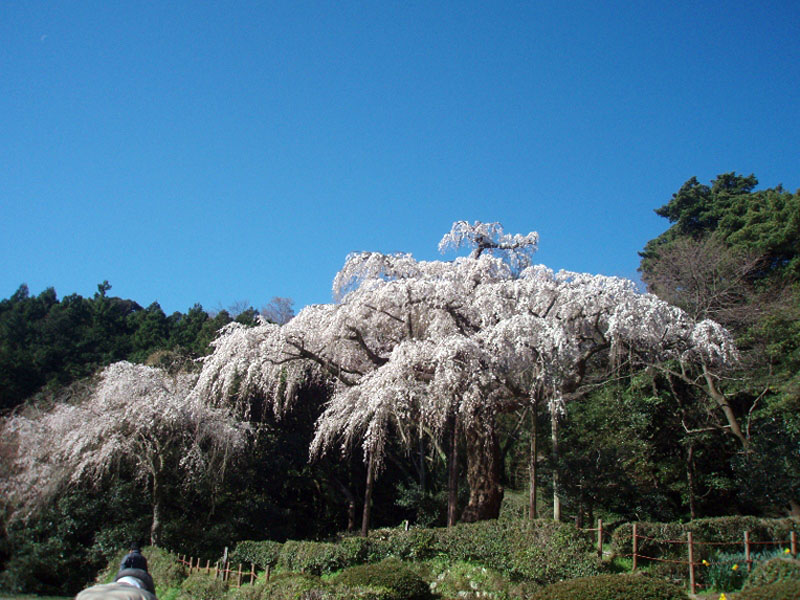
{"x": 217, "y": 152}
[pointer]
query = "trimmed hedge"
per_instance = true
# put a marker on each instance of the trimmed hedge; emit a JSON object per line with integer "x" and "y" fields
{"x": 199, "y": 586}
{"x": 773, "y": 571}
{"x": 289, "y": 586}
{"x": 319, "y": 558}
{"x": 781, "y": 590}
{"x": 540, "y": 551}
{"x": 295, "y": 586}
{"x": 611, "y": 587}
{"x": 264, "y": 553}
{"x": 392, "y": 575}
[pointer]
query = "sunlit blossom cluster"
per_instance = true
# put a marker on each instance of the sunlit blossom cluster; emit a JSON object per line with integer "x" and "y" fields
{"x": 134, "y": 414}
{"x": 410, "y": 343}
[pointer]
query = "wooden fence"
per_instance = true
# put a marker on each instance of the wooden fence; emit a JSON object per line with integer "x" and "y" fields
{"x": 236, "y": 577}
{"x": 223, "y": 570}
{"x": 692, "y": 544}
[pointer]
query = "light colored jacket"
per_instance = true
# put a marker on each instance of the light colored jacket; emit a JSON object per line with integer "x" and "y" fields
{"x": 114, "y": 591}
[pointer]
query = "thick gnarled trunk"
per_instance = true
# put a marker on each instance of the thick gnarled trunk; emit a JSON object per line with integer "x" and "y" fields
{"x": 452, "y": 474}
{"x": 483, "y": 473}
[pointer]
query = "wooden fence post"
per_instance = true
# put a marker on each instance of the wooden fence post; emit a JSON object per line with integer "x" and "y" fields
{"x": 239, "y": 576}
{"x": 635, "y": 546}
{"x": 747, "y": 550}
{"x": 600, "y": 538}
{"x": 252, "y": 573}
{"x": 691, "y": 562}
{"x": 794, "y": 544}
{"x": 208, "y": 566}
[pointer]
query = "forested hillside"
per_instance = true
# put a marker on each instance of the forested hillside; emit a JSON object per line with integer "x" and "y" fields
{"x": 638, "y": 410}
{"x": 49, "y": 342}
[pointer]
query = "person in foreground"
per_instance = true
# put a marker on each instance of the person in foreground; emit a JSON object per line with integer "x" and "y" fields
{"x": 132, "y": 581}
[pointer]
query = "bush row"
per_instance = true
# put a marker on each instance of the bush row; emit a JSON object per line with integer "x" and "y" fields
{"x": 540, "y": 551}
{"x": 389, "y": 580}
{"x": 612, "y": 587}
{"x": 717, "y": 530}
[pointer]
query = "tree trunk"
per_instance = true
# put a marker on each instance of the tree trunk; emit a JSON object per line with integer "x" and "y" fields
{"x": 726, "y": 408}
{"x": 158, "y": 497}
{"x": 555, "y": 456}
{"x": 483, "y": 473}
{"x": 579, "y": 514}
{"x": 690, "y": 481}
{"x": 368, "y": 496}
{"x": 452, "y": 475}
{"x": 794, "y": 508}
{"x": 532, "y": 500}
{"x": 351, "y": 502}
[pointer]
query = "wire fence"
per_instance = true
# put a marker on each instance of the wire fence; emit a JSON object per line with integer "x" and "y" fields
{"x": 747, "y": 545}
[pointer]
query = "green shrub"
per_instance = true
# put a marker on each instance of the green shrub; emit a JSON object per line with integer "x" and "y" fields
{"x": 199, "y": 586}
{"x": 391, "y": 574}
{"x": 263, "y": 554}
{"x": 291, "y": 586}
{"x": 318, "y": 558}
{"x": 540, "y": 551}
{"x": 413, "y": 544}
{"x": 164, "y": 568}
{"x": 246, "y": 592}
{"x": 780, "y": 590}
{"x": 611, "y": 587}
{"x": 344, "y": 592}
{"x": 726, "y": 573}
{"x": 773, "y": 571}
{"x": 470, "y": 581}
{"x": 162, "y": 565}
{"x": 717, "y": 530}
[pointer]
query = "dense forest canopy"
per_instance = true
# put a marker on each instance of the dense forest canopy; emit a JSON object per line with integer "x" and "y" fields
{"x": 654, "y": 437}
{"x": 45, "y": 341}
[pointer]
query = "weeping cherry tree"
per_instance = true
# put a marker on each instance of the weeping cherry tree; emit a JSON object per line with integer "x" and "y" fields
{"x": 134, "y": 414}
{"x": 425, "y": 347}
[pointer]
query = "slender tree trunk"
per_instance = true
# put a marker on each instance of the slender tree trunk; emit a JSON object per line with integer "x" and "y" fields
{"x": 452, "y": 475}
{"x": 158, "y": 499}
{"x": 555, "y": 457}
{"x": 726, "y": 408}
{"x": 690, "y": 481}
{"x": 579, "y": 513}
{"x": 368, "y": 496}
{"x": 483, "y": 473}
{"x": 534, "y": 450}
{"x": 351, "y": 503}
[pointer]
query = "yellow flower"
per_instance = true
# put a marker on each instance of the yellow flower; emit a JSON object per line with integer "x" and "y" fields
{"x": 705, "y": 562}
{"x": 722, "y": 597}
{"x": 734, "y": 567}
{"x": 786, "y": 551}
